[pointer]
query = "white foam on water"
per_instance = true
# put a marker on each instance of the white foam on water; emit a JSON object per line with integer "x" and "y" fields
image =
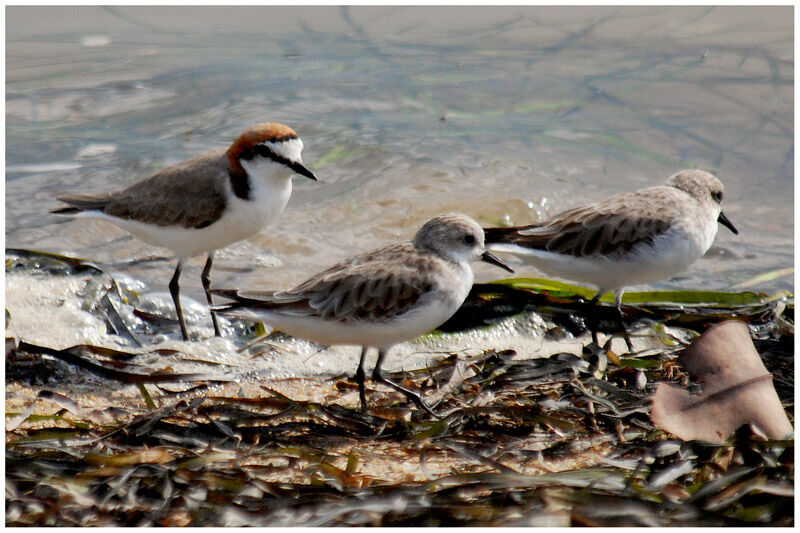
{"x": 45, "y": 310}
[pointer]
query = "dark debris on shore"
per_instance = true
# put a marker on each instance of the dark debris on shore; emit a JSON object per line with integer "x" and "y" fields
{"x": 564, "y": 440}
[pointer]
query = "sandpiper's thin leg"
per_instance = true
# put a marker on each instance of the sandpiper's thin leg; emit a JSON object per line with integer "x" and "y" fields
{"x": 174, "y": 290}
{"x": 593, "y": 319}
{"x": 618, "y": 302}
{"x": 411, "y": 395}
{"x": 360, "y": 378}
{"x": 205, "y": 278}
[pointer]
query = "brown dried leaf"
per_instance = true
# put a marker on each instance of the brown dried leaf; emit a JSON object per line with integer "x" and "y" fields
{"x": 737, "y": 390}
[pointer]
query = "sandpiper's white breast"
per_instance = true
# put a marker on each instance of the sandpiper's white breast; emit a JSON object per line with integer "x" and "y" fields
{"x": 428, "y": 315}
{"x": 666, "y": 255}
{"x": 431, "y": 311}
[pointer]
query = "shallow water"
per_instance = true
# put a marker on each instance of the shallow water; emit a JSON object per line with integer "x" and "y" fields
{"x": 506, "y": 114}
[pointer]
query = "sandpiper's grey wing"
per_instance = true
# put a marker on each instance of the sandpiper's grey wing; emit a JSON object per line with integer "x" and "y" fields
{"x": 372, "y": 287}
{"x": 614, "y": 225}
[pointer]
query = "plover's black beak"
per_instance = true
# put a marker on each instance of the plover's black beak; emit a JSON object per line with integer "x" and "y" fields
{"x": 489, "y": 257}
{"x": 301, "y": 169}
{"x": 722, "y": 219}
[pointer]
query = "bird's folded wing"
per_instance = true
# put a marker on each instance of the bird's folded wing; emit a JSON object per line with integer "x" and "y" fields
{"x": 191, "y": 194}
{"x": 609, "y": 227}
{"x": 367, "y": 291}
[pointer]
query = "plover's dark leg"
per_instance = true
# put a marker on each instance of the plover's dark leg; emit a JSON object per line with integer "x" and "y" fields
{"x": 411, "y": 395}
{"x": 205, "y": 278}
{"x": 360, "y": 378}
{"x": 174, "y": 290}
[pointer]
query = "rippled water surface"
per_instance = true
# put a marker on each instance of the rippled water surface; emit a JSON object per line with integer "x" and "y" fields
{"x": 506, "y": 114}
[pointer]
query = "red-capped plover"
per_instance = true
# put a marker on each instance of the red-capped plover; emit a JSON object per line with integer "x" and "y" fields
{"x": 206, "y": 202}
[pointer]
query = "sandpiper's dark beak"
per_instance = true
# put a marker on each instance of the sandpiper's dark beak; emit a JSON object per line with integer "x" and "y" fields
{"x": 722, "y": 219}
{"x": 489, "y": 257}
{"x": 301, "y": 169}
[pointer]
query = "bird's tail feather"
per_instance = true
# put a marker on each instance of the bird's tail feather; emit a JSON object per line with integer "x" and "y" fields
{"x": 497, "y": 235}
{"x": 80, "y": 202}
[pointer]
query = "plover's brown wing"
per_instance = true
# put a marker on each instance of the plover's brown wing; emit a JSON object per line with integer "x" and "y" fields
{"x": 611, "y": 226}
{"x": 191, "y": 194}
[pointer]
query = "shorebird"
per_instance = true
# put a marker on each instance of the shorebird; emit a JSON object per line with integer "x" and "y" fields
{"x": 377, "y": 299}
{"x": 206, "y": 202}
{"x": 626, "y": 239}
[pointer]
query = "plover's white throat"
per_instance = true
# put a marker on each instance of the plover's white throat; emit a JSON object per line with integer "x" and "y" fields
{"x": 207, "y": 202}
{"x": 627, "y": 239}
{"x": 377, "y": 299}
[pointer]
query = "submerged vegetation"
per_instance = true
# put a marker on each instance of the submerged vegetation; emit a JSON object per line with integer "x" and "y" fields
{"x": 561, "y": 440}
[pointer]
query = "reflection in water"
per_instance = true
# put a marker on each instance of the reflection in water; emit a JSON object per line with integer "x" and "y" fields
{"x": 506, "y": 114}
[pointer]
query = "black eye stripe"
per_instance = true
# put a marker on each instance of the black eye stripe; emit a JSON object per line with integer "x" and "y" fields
{"x": 265, "y": 151}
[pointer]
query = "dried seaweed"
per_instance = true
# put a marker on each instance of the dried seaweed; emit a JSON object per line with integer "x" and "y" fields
{"x": 564, "y": 304}
{"x": 71, "y": 356}
{"x": 563, "y": 440}
{"x": 507, "y": 431}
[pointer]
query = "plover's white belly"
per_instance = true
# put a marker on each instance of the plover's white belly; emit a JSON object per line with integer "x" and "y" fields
{"x": 240, "y": 220}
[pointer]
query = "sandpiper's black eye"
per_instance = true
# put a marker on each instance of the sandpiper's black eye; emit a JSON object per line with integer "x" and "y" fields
{"x": 717, "y": 196}
{"x": 469, "y": 239}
